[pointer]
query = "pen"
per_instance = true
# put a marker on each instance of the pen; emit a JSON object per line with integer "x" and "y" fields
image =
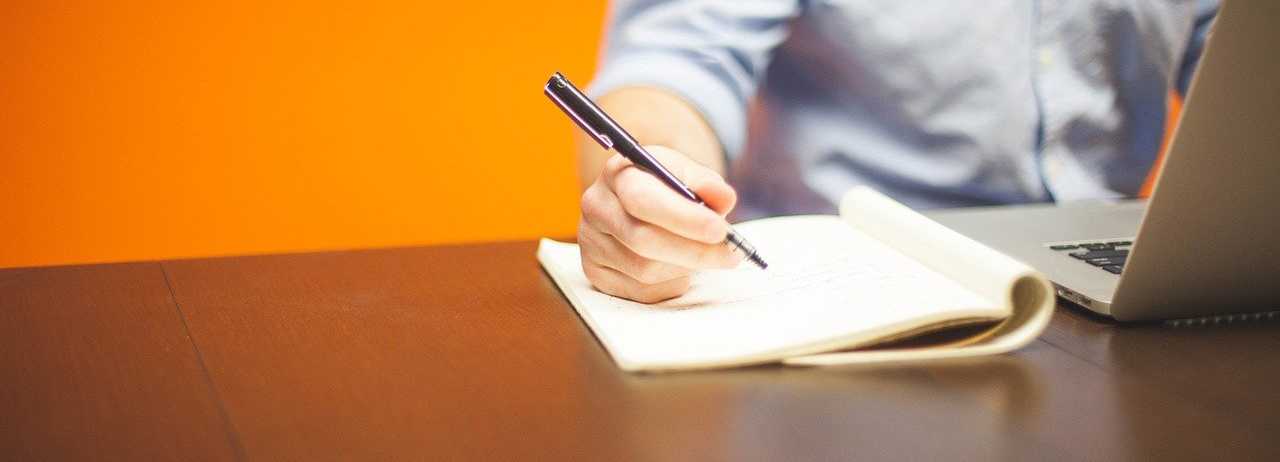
{"x": 610, "y": 135}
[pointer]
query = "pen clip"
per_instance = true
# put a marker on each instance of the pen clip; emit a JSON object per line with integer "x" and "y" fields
{"x": 553, "y": 88}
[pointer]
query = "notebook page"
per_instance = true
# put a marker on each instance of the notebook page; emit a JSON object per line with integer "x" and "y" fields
{"x": 1026, "y": 293}
{"x": 964, "y": 260}
{"x": 827, "y": 286}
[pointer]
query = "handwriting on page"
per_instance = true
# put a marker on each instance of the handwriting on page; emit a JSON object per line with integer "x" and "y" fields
{"x": 744, "y": 284}
{"x": 831, "y": 265}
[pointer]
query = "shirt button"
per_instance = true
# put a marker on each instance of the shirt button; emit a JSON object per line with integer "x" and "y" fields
{"x": 1052, "y": 166}
{"x": 1046, "y": 57}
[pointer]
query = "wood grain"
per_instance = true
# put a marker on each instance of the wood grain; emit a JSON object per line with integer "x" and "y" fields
{"x": 96, "y": 364}
{"x": 471, "y": 352}
{"x": 415, "y": 353}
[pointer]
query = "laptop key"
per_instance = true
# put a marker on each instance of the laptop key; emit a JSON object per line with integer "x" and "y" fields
{"x": 1064, "y": 247}
{"x": 1100, "y": 254}
{"x": 1098, "y": 246}
{"x": 1117, "y": 261}
{"x": 1113, "y": 269}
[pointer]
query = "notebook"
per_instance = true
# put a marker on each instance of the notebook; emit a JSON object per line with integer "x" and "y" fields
{"x": 837, "y": 291}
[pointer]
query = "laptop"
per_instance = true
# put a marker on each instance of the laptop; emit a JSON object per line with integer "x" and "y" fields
{"x": 1207, "y": 242}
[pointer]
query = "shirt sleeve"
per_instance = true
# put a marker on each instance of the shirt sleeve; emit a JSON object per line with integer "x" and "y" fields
{"x": 710, "y": 53}
{"x": 1206, "y": 11}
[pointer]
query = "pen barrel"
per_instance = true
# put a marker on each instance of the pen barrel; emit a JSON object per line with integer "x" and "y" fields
{"x": 641, "y": 158}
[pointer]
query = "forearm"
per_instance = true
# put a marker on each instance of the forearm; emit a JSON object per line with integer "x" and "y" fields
{"x": 652, "y": 116}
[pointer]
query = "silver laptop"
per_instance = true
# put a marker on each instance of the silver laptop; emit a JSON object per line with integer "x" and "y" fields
{"x": 1208, "y": 240}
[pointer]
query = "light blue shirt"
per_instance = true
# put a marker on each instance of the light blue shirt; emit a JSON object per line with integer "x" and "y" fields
{"x": 937, "y": 103}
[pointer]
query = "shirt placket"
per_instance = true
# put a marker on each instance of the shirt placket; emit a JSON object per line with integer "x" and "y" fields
{"x": 1050, "y": 61}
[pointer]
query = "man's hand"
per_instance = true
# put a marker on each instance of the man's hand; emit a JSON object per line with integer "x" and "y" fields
{"x": 641, "y": 240}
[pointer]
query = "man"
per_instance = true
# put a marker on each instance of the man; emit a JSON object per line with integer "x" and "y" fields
{"x": 936, "y": 103}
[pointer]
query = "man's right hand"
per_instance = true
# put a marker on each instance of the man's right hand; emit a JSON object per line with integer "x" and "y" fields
{"x": 641, "y": 240}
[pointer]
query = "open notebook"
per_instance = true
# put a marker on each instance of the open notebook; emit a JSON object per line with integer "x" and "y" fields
{"x": 876, "y": 273}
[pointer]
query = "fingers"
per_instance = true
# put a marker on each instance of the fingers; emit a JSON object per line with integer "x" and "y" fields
{"x": 648, "y": 199}
{"x": 644, "y": 197}
{"x": 708, "y": 184}
{"x": 608, "y": 252}
{"x": 612, "y": 281}
{"x": 716, "y": 192}
{"x": 602, "y": 211}
{"x": 642, "y": 240}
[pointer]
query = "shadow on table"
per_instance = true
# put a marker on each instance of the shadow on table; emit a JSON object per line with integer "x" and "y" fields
{"x": 773, "y": 412}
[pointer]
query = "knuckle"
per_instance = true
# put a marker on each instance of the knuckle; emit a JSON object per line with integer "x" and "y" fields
{"x": 590, "y": 199}
{"x": 634, "y": 291}
{"x": 592, "y": 250}
{"x": 662, "y": 292}
{"x": 585, "y": 241}
{"x": 615, "y": 163}
{"x": 627, "y": 184}
{"x": 591, "y": 191}
{"x": 600, "y": 279}
{"x": 624, "y": 199}
{"x": 649, "y": 271}
{"x": 680, "y": 285}
{"x": 595, "y": 275}
{"x": 647, "y": 295}
{"x": 640, "y": 238}
{"x": 596, "y": 210}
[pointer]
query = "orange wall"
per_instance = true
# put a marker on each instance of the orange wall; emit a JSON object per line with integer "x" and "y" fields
{"x": 142, "y": 130}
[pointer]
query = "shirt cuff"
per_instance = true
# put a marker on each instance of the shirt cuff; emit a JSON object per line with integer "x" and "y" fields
{"x": 712, "y": 97}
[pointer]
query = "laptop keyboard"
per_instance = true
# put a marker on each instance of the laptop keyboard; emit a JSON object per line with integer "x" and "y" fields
{"x": 1108, "y": 256}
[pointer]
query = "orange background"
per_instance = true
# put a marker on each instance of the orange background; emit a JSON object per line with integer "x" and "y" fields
{"x": 144, "y": 130}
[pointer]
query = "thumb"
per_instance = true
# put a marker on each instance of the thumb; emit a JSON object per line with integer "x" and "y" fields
{"x": 704, "y": 182}
{"x": 716, "y": 193}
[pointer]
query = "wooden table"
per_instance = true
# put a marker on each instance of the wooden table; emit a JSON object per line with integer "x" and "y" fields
{"x": 470, "y": 352}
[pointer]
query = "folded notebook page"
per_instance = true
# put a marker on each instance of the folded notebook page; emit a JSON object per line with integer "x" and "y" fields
{"x": 882, "y": 272}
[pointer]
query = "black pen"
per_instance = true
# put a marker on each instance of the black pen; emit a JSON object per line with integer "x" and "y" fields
{"x": 610, "y": 135}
